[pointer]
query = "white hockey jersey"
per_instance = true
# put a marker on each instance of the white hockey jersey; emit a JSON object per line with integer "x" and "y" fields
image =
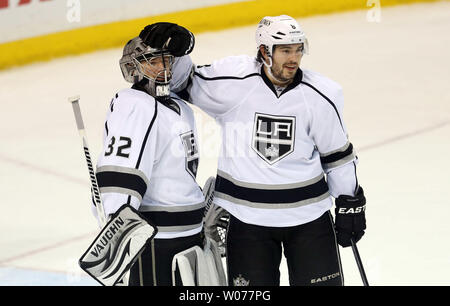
{"x": 150, "y": 160}
{"x": 282, "y": 154}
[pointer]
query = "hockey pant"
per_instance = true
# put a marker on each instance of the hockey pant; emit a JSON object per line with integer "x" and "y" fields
{"x": 154, "y": 267}
{"x": 312, "y": 254}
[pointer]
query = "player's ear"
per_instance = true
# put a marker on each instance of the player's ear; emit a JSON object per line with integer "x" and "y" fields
{"x": 262, "y": 50}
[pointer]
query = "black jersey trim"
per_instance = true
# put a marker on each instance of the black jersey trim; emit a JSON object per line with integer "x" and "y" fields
{"x": 337, "y": 156}
{"x": 144, "y": 142}
{"x": 279, "y": 196}
{"x": 122, "y": 180}
{"x": 327, "y": 99}
{"x": 268, "y": 82}
{"x": 356, "y": 178}
{"x": 183, "y": 218}
{"x": 296, "y": 81}
{"x": 170, "y": 104}
{"x": 225, "y": 77}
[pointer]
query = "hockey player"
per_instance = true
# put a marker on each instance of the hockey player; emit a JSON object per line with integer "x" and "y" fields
{"x": 285, "y": 154}
{"x": 150, "y": 159}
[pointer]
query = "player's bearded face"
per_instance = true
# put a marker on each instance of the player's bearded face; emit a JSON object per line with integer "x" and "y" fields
{"x": 286, "y": 61}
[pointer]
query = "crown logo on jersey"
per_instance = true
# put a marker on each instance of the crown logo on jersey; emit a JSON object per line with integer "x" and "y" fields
{"x": 272, "y": 151}
{"x": 240, "y": 281}
{"x": 273, "y": 136}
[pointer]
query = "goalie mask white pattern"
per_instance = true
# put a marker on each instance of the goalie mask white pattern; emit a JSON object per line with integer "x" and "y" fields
{"x": 280, "y": 30}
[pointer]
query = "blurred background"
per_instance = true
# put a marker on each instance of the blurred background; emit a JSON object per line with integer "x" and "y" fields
{"x": 390, "y": 56}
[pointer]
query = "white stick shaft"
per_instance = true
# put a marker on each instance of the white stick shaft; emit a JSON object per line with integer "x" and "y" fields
{"x": 80, "y": 125}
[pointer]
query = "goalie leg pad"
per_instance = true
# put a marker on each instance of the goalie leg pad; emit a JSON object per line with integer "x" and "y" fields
{"x": 200, "y": 267}
{"x": 118, "y": 246}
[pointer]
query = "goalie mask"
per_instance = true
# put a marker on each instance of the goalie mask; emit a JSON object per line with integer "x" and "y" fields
{"x": 140, "y": 61}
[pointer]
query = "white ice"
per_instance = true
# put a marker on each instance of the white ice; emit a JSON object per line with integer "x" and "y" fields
{"x": 395, "y": 73}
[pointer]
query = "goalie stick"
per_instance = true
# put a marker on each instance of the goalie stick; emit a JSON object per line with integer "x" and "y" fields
{"x": 123, "y": 236}
{"x": 81, "y": 130}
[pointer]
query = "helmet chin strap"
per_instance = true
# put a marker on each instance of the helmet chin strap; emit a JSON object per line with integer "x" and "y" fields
{"x": 157, "y": 89}
{"x": 269, "y": 70}
{"x": 162, "y": 90}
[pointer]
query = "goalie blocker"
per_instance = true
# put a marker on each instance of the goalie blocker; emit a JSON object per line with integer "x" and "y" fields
{"x": 118, "y": 246}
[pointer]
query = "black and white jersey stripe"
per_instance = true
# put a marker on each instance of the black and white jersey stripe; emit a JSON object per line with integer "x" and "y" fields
{"x": 129, "y": 181}
{"x": 270, "y": 196}
{"x": 175, "y": 218}
{"x": 337, "y": 157}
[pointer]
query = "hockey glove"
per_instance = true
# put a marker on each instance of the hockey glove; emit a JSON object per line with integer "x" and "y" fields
{"x": 350, "y": 218}
{"x": 216, "y": 224}
{"x": 177, "y": 39}
{"x": 216, "y": 218}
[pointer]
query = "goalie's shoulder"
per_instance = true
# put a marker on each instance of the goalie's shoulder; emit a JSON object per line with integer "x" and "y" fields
{"x": 131, "y": 102}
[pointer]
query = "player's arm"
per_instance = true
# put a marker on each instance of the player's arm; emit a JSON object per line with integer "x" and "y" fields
{"x": 204, "y": 86}
{"x": 339, "y": 163}
{"x": 216, "y": 88}
{"x": 125, "y": 164}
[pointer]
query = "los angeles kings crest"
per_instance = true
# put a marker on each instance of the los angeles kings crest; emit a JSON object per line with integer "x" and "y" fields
{"x": 273, "y": 136}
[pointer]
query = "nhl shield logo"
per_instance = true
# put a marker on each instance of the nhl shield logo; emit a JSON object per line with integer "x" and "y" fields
{"x": 273, "y": 136}
{"x": 191, "y": 150}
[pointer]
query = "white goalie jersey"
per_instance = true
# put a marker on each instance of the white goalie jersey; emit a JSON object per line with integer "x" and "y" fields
{"x": 150, "y": 160}
{"x": 284, "y": 153}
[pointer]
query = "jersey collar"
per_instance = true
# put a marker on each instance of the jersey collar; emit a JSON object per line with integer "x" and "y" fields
{"x": 297, "y": 80}
{"x": 170, "y": 103}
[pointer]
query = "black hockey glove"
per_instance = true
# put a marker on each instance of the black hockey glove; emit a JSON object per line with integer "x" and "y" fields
{"x": 216, "y": 219}
{"x": 350, "y": 218}
{"x": 180, "y": 40}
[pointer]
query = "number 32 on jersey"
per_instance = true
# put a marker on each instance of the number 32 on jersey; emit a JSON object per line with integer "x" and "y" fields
{"x": 123, "y": 145}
